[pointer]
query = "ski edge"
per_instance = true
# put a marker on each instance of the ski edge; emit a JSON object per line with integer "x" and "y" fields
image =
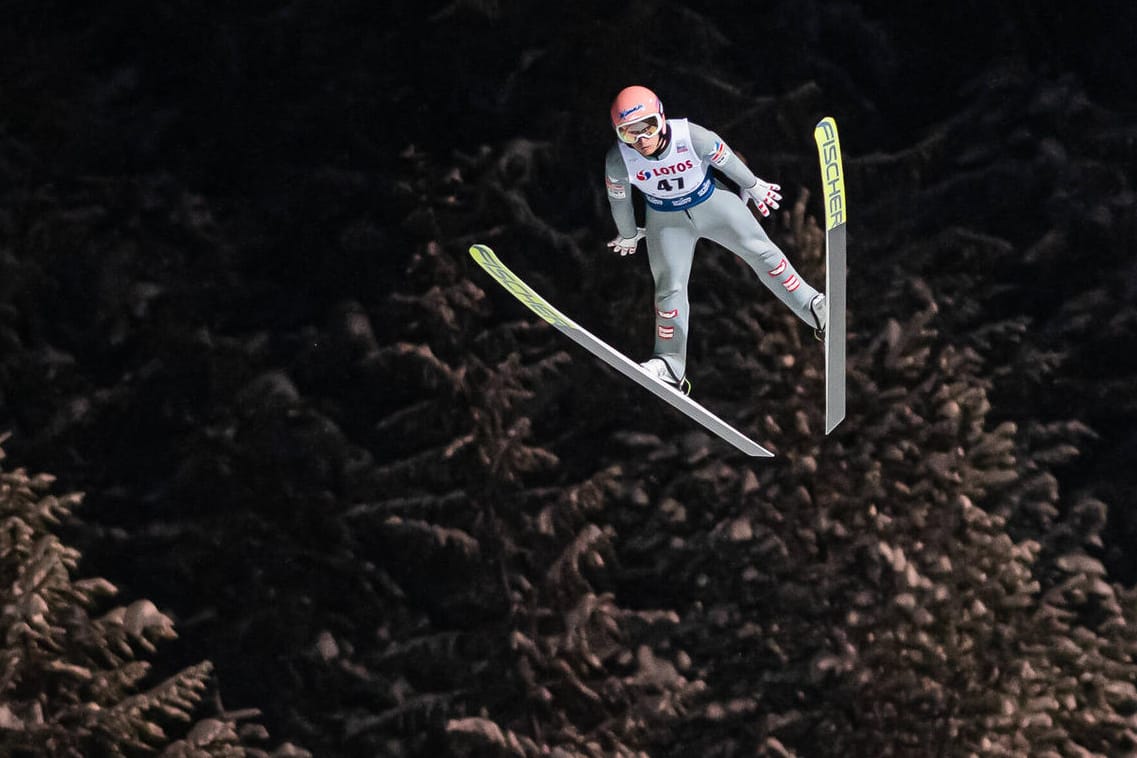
{"x": 486, "y": 258}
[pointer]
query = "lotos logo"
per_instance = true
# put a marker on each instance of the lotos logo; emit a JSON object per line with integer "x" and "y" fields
{"x": 676, "y": 168}
{"x": 630, "y": 111}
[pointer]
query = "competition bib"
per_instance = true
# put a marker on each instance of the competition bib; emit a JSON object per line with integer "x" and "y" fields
{"x": 675, "y": 180}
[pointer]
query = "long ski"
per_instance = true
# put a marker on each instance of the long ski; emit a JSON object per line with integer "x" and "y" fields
{"x": 614, "y": 358}
{"x": 836, "y": 216}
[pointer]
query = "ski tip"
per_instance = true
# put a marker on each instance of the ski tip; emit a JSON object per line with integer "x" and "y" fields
{"x": 484, "y": 256}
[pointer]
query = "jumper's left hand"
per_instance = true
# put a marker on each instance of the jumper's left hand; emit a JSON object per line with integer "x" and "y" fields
{"x": 764, "y": 195}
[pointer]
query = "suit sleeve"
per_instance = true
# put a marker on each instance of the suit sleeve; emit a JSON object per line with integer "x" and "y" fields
{"x": 713, "y": 148}
{"x": 619, "y": 189}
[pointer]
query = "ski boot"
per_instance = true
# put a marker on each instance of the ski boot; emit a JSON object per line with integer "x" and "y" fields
{"x": 819, "y": 309}
{"x": 659, "y": 369}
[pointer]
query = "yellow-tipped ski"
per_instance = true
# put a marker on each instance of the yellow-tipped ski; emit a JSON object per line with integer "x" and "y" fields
{"x": 614, "y": 358}
{"x": 836, "y": 217}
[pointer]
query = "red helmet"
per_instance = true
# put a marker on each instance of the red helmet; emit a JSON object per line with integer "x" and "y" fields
{"x": 637, "y": 114}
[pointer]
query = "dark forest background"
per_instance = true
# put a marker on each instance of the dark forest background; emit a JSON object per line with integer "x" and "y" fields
{"x": 355, "y": 500}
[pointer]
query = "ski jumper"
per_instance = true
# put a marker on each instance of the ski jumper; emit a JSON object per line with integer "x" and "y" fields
{"x": 685, "y": 203}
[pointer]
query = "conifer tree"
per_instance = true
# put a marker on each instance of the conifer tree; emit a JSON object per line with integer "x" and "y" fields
{"x": 73, "y": 676}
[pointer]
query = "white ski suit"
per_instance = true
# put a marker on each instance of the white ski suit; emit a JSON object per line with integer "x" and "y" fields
{"x": 685, "y": 203}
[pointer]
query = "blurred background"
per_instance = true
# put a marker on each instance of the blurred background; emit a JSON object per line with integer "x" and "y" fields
{"x": 402, "y": 517}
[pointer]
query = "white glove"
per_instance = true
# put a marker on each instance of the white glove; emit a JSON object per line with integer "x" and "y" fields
{"x": 627, "y": 245}
{"x": 762, "y": 194}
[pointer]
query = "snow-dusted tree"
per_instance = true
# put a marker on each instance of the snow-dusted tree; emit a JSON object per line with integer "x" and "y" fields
{"x": 73, "y": 681}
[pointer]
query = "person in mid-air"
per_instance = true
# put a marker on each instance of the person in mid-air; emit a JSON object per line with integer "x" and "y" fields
{"x": 670, "y": 161}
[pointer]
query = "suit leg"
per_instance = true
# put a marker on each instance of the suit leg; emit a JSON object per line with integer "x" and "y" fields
{"x": 671, "y": 250}
{"x": 731, "y": 224}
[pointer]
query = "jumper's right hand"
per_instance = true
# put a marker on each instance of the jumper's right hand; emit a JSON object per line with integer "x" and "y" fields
{"x": 627, "y": 245}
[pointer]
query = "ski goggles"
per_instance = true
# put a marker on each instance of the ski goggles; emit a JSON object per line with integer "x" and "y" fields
{"x": 645, "y": 128}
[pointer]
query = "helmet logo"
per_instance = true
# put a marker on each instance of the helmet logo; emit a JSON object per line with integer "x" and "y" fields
{"x": 625, "y": 113}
